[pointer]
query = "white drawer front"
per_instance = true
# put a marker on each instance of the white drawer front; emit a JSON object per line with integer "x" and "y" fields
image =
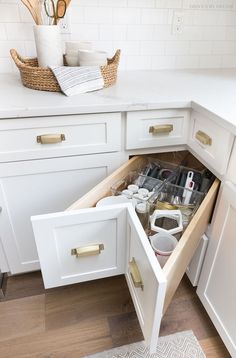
{"x": 58, "y": 234}
{"x": 211, "y": 142}
{"x": 148, "y": 129}
{"x": 68, "y": 135}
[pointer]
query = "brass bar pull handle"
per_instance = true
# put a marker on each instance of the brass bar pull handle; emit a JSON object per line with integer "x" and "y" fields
{"x": 161, "y": 128}
{"x": 203, "y": 138}
{"x": 89, "y": 250}
{"x": 50, "y": 138}
{"x": 135, "y": 274}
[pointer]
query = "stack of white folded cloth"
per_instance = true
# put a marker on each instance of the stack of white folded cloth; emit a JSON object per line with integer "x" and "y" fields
{"x": 75, "y": 80}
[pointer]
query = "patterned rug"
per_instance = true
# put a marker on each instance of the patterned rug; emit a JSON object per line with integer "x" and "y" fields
{"x": 179, "y": 345}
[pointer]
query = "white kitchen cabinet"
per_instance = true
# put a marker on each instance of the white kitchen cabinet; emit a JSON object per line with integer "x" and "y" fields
{"x": 98, "y": 231}
{"x": 42, "y": 186}
{"x": 210, "y": 142}
{"x": 194, "y": 268}
{"x": 231, "y": 172}
{"x": 217, "y": 289}
{"x": 59, "y": 136}
{"x": 3, "y": 260}
{"x": 157, "y": 128}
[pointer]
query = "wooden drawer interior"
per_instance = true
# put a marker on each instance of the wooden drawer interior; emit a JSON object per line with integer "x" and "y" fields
{"x": 176, "y": 265}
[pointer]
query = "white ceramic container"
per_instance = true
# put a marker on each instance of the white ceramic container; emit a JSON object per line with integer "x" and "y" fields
{"x": 92, "y": 58}
{"x": 71, "y": 60}
{"x": 72, "y": 47}
{"x": 48, "y": 45}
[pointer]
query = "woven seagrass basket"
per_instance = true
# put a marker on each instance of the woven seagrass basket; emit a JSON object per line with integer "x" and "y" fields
{"x": 43, "y": 79}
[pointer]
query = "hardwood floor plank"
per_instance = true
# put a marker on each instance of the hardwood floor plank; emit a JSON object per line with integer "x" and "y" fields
{"x": 80, "y": 339}
{"x": 213, "y": 347}
{"x": 22, "y": 317}
{"x": 187, "y": 313}
{"x": 78, "y": 320}
{"x": 25, "y": 285}
{"x": 125, "y": 329}
{"x": 73, "y": 304}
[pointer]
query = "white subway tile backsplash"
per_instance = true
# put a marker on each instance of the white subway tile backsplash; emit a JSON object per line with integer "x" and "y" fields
{"x": 177, "y": 47}
{"x": 19, "y": 31}
{"x": 229, "y": 61}
{"x": 224, "y": 47}
{"x": 84, "y": 32}
{"x": 91, "y": 3}
{"x": 104, "y": 46}
{"x": 169, "y": 4}
{"x": 231, "y": 33}
{"x": 141, "y": 33}
{"x": 5, "y": 65}
{"x": 227, "y": 18}
{"x": 192, "y": 33}
{"x": 187, "y": 62}
{"x": 152, "y": 48}
{"x": 112, "y": 3}
{"x": 154, "y": 16}
{"x": 128, "y": 47}
{"x": 6, "y": 45}
{"x": 9, "y": 13}
{"x": 77, "y": 15}
{"x": 163, "y": 62}
{"x": 126, "y": 16}
{"x": 205, "y": 18}
{"x": 214, "y": 33}
{"x": 25, "y": 15}
{"x": 98, "y": 15}
{"x": 202, "y": 47}
{"x": 30, "y": 50}
{"x": 3, "y": 34}
{"x": 113, "y": 32}
{"x": 138, "y": 63}
{"x": 141, "y": 3}
{"x": 142, "y": 29}
{"x": 163, "y": 32}
{"x": 210, "y": 61}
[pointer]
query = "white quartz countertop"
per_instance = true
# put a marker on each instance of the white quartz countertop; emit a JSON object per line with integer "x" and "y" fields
{"x": 212, "y": 92}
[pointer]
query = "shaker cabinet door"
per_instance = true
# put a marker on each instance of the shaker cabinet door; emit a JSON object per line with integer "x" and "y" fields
{"x": 83, "y": 245}
{"x": 146, "y": 281}
{"x": 217, "y": 289}
{"x": 88, "y": 244}
{"x": 38, "y": 187}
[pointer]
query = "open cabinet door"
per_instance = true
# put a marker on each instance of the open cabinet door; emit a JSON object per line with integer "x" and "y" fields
{"x": 87, "y": 244}
{"x": 146, "y": 281}
{"x": 82, "y": 245}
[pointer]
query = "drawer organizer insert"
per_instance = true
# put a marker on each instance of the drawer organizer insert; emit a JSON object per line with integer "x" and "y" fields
{"x": 200, "y": 203}
{"x": 164, "y": 188}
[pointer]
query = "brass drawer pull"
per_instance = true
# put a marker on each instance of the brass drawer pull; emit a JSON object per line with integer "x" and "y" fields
{"x": 50, "y": 138}
{"x": 161, "y": 128}
{"x": 203, "y": 138}
{"x": 87, "y": 250}
{"x": 135, "y": 274}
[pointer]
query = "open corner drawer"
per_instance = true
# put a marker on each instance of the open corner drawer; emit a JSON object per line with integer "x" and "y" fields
{"x": 86, "y": 242}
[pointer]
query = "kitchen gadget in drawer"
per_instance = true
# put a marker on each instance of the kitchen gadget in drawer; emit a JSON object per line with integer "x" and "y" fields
{"x": 34, "y": 138}
{"x": 87, "y": 242}
{"x": 211, "y": 142}
{"x": 156, "y": 128}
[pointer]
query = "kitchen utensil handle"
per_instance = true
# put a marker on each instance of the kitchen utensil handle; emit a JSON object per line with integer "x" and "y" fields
{"x": 89, "y": 250}
{"x": 50, "y": 138}
{"x": 135, "y": 274}
{"x": 161, "y": 128}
